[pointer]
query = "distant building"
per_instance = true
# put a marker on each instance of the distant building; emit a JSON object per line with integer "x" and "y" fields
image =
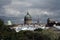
{"x": 57, "y": 23}
{"x": 50, "y": 22}
{"x": 9, "y": 22}
{"x": 28, "y": 19}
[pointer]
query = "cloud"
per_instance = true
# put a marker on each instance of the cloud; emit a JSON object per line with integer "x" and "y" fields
{"x": 11, "y": 12}
{"x": 41, "y": 8}
{"x": 39, "y": 12}
{"x": 21, "y": 3}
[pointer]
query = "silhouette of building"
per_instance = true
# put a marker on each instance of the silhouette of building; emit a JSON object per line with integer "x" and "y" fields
{"x": 57, "y": 23}
{"x": 28, "y": 19}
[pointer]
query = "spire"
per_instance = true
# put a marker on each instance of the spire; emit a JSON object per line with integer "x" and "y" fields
{"x": 27, "y": 13}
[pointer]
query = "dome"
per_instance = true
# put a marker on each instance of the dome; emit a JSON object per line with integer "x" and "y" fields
{"x": 27, "y": 19}
{"x": 28, "y": 16}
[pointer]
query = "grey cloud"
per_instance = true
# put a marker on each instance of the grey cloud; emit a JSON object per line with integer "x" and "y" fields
{"x": 4, "y": 2}
{"x": 52, "y": 6}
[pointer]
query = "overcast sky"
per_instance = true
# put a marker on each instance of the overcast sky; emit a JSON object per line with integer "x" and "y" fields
{"x": 42, "y": 8}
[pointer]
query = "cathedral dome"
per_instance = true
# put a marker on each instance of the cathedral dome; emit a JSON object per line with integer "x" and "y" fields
{"x": 27, "y": 19}
{"x": 28, "y": 16}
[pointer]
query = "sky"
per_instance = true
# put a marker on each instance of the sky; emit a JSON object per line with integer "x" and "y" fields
{"x": 19, "y": 8}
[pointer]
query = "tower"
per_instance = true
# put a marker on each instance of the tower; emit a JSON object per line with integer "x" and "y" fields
{"x": 28, "y": 19}
{"x": 38, "y": 20}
